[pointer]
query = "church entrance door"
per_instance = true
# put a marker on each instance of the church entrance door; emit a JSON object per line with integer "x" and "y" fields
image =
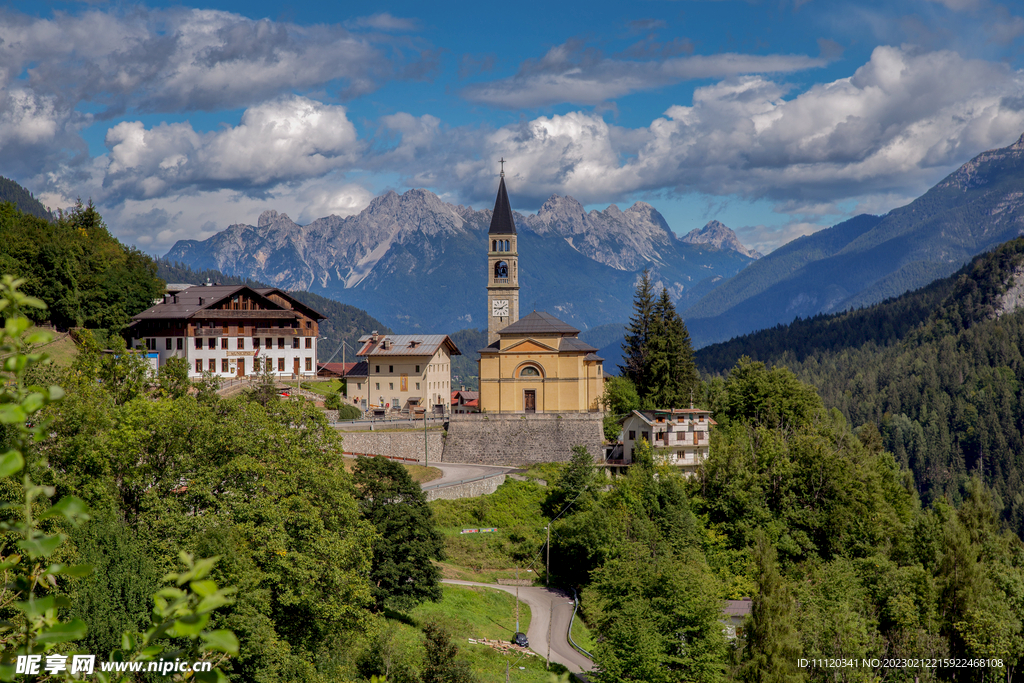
{"x": 530, "y": 400}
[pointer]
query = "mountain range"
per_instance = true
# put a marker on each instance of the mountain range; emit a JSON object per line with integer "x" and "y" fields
{"x": 415, "y": 262}
{"x": 870, "y": 258}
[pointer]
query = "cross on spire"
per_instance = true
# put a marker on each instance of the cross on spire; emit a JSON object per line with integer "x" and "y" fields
{"x": 502, "y": 167}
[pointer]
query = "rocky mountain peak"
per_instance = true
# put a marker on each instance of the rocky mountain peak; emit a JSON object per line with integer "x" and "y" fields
{"x": 717, "y": 235}
{"x": 269, "y": 217}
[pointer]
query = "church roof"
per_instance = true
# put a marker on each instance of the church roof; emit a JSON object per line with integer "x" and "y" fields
{"x": 539, "y": 322}
{"x": 501, "y": 220}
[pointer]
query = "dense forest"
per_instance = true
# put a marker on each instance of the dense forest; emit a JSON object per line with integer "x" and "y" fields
{"x": 22, "y": 199}
{"x": 86, "y": 277}
{"x": 945, "y": 395}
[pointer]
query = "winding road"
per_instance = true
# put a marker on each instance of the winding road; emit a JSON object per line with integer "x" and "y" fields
{"x": 544, "y": 602}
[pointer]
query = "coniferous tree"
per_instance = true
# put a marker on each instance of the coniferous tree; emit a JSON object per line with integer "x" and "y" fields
{"x": 773, "y": 643}
{"x": 672, "y": 374}
{"x": 636, "y": 347}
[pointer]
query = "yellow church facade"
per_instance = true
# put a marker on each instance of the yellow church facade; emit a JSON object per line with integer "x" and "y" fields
{"x": 536, "y": 364}
{"x": 539, "y": 365}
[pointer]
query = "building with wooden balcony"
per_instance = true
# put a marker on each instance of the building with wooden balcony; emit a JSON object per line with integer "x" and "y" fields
{"x": 231, "y": 331}
{"x": 679, "y": 436}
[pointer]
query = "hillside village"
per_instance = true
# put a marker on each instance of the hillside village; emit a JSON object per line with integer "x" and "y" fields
{"x": 773, "y": 493}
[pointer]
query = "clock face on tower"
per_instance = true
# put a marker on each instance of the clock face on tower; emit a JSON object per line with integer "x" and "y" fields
{"x": 499, "y": 308}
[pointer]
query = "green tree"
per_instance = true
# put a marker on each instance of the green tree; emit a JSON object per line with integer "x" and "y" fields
{"x": 636, "y": 346}
{"x": 672, "y": 379}
{"x": 773, "y": 643}
{"x": 620, "y": 398}
{"x": 440, "y": 664}
{"x": 403, "y": 574}
{"x": 172, "y": 378}
{"x": 578, "y": 477}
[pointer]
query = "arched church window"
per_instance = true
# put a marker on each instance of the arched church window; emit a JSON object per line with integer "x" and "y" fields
{"x": 500, "y": 269}
{"x": 494, "y": 245}
{"x": 529, "y": 371}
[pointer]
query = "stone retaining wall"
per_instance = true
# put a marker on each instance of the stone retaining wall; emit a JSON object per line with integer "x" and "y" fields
{"x": 394, "y": 444}
{"x": 517, "y": 439}
{"x": 470, "y": 489}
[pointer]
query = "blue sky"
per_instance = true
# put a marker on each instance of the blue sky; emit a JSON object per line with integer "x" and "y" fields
{"x": 776, "y": 118}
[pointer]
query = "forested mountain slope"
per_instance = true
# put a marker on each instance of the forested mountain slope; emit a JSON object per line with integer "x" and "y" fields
{"x": 870, "y": 258}
{"x": 945, "y": 395}
{"x": 84, "y": 275}
{"x": 24, "y": 200}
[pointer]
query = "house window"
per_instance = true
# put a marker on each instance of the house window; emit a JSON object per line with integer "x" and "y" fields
{"x": 417, "y": 370}
{"x": 168, "y": 344}
{"x": 391, "y": 386}
{"x": 280, "y": 364}
{"x": 391, "y": 369}
{"x": 309, "y": 342}
{"x": 256, "y": 343}
{"x": 378, "y": 386}
{"x": 223, "y": 364}
{"x": 280, "y": 344}
{"x": 417, "y": 386}
{"x": 529, "y": 371}
{"x": 270, "y": 343}
{"x": 212, "y": 365}
{"x": 377, "y": 370}
{"x": 256, "y": 364}
{"x": 295, "y": 342}
{"x": 647, "y": 436}
{"x": 181, "y": 343}
{"x": 309, "y": 325}
{"x": 309, "y": 364}
{"x": 241, "y": 342}
{"x": 223, "y": 342}
{"x": 199, "y": 366}
{"x": 199, "y": 342}
{"x": 632, "y": 435}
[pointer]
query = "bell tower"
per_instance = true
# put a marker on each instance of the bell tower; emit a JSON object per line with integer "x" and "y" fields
{"x": 502, "y": 266}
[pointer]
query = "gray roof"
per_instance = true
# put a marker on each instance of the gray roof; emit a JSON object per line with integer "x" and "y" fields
{"x": 593, "y": 356}
{"x": 197, "y": 300}
{"x": 539, "y": 322}
{"x": 738, "y": 608}
{"x": 574, "y": 344}
{"x": 502, "y": 222}
{"x": 406, "y": 345}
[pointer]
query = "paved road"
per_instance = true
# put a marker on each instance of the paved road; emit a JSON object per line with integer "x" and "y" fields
{"x": 457, "y": 472}
{"x": 542, "y": 602}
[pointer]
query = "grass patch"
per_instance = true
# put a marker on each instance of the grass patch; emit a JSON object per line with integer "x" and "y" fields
{"x": 548, "y": 472}
{"x": 470, "y": 612}
{"x": 582, "y": 635}
{"x": 515, "y": 509}
{"x": 421, "y": 474}
{"x": 62, "y": 350}
{"x": 324, "y": 388}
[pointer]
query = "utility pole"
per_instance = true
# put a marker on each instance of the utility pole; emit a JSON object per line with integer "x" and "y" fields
{"x": 547, "y": 563}
{"x": 506, "y": 672}
{"x": 517, "y": 599}
{"x": 426, "y": 455}
{"x": 551, "y": 618}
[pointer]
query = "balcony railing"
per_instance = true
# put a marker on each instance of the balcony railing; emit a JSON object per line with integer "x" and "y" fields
{"x": 502, "y": 280}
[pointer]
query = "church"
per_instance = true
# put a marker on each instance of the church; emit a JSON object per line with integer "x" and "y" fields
{"x": 537, "y": 363}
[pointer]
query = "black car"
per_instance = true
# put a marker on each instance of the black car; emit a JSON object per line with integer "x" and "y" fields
{"x": 520, "y": 640}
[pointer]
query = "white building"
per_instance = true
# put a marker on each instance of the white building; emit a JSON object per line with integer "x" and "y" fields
{"x": 679, "y": 436}
{"x": 231, "y": 331}
{"x": 408, "y": 372}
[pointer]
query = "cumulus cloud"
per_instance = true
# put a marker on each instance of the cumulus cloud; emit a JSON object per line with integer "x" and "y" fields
{"x": 280, "y": 141}
{"x": 894, "y": 127}
{"x": 384, "y": 21}
{"x": 575, "y": 74}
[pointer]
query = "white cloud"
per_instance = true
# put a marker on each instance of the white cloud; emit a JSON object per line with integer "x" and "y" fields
{"x": 895, "y": 126}
{"x": 570, "y": 73}
{"x": 280, "y": 141}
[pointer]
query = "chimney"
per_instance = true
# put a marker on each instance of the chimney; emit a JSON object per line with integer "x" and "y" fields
{"x": 174, "y": 298}
{"x": 200, "y": 301}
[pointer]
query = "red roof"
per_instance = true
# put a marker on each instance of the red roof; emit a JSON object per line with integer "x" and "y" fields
{"x": 339, "y": 369}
